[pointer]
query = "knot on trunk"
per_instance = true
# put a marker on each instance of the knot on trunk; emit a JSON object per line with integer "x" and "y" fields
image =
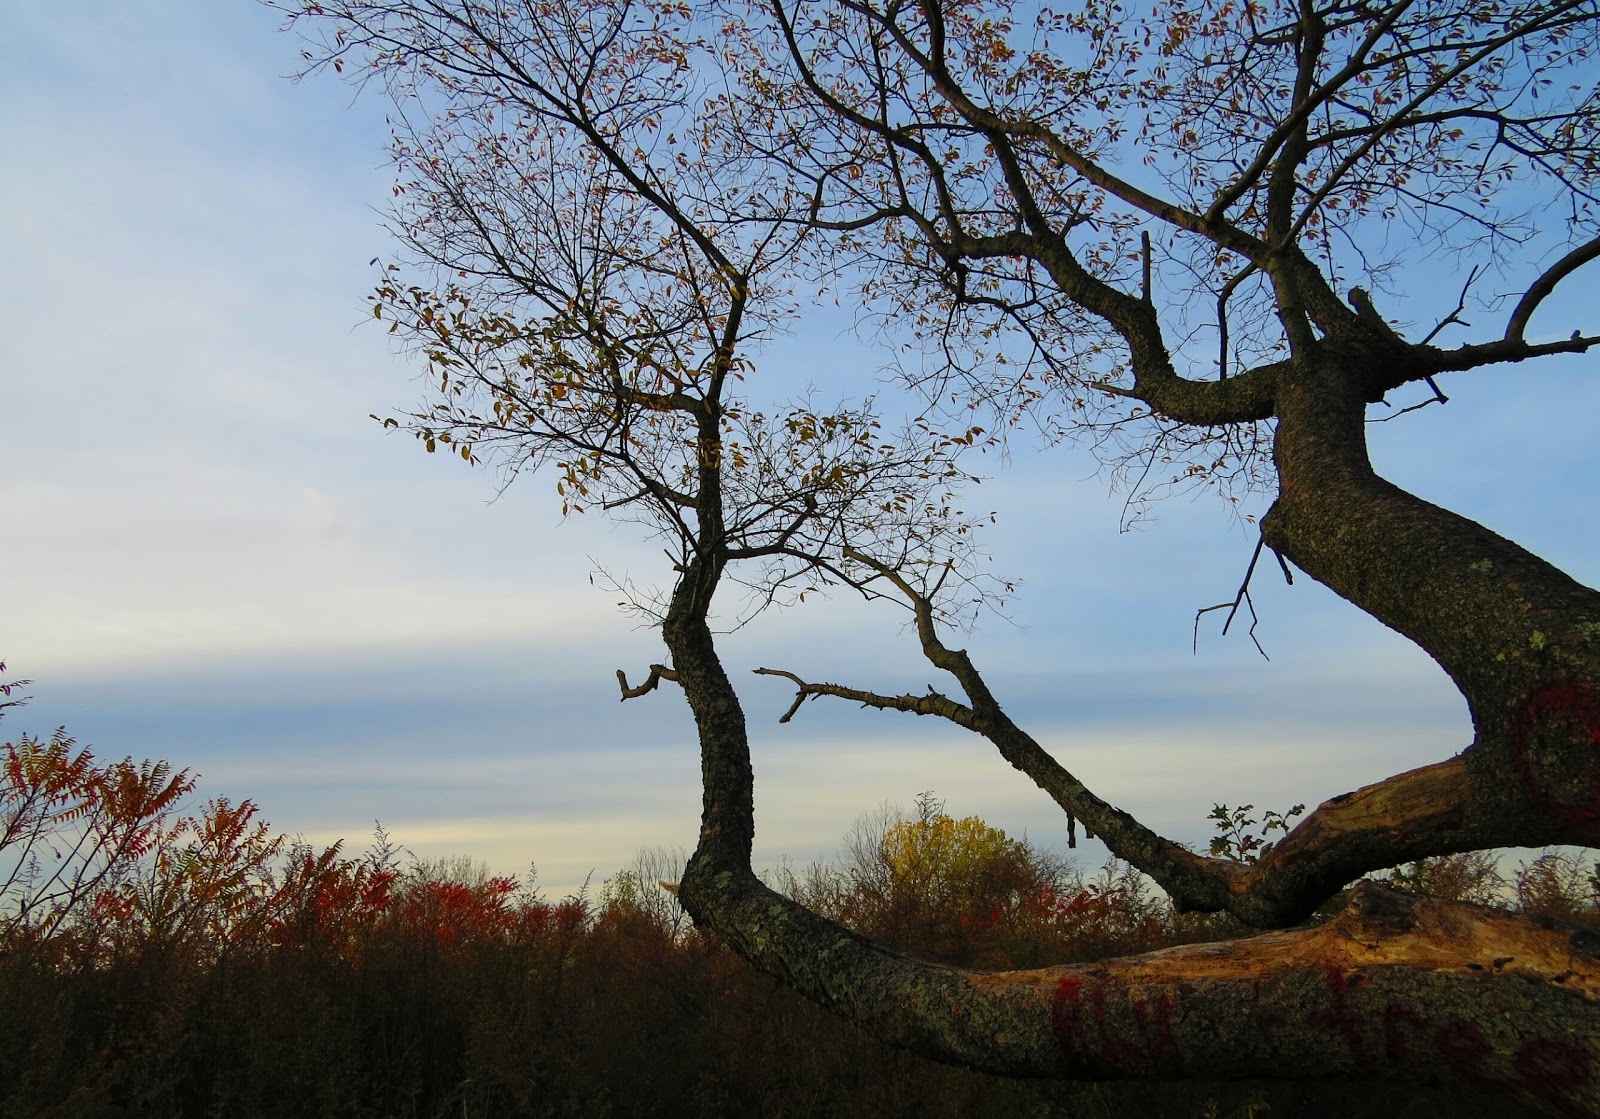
{"x": 1373, "y": 912}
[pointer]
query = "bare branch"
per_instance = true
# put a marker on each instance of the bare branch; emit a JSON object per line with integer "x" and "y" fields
{"x": 1222, "y": 316}
{"x": 1242, "y": 597}
{"x": 1546, "y": 284}
{"x": 1145, "y": 255}
{"x": 1438, "y": 397}
{"x": 1196, "y": 881}
{"x": 1504, "y": 350}
{"x": 658, "y": 673}
{"x": 931, "y": 704}
{"x": 1455, "y": 315}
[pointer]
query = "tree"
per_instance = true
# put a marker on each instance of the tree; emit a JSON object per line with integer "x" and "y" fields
{"x": 606, "y": 206}
{"x": 956, "y": 891}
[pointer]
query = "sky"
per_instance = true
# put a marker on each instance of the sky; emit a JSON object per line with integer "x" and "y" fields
{"x": 213, "y": 555}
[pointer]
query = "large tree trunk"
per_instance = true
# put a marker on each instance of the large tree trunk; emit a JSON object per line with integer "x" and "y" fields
{"x": 1519, "y": 637}
{"x": 1392, "y": 988}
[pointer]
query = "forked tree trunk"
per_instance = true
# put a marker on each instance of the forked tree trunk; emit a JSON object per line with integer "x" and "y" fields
{"x": 1394, "y": 987}
{"x": 1519, "y": 637}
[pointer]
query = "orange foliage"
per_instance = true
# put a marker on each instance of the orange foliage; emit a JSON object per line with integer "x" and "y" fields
{"x": 69, "y": 827}
{"x": 204, "y": 965}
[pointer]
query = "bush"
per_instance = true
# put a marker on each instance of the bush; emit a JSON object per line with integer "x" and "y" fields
{"x": 200, "y": 965}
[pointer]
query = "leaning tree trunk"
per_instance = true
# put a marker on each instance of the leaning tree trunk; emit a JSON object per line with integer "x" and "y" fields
{"x": 1392, "y": 988}
{"x": 1519, "y": 637}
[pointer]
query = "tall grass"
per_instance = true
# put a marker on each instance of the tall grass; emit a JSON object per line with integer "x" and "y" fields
{"x": 156, "y": 961}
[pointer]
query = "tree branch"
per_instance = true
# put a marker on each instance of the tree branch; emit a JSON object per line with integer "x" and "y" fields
{"x": 1504, "y": 350}
{"x": 931, "y": 704}
{"x": 658, "y": 673}
{"x": 1241, "y": 598}
{"x": 1546, "y": 284}
{"x": 1390, "y": 989}
{"x": 1197, "y": 881}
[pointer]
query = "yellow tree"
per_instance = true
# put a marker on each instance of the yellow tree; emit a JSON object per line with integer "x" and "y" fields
{"x": 946, "y": 889}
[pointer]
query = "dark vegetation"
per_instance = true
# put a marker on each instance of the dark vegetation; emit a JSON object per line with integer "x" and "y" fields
{"x": 163, "y": 959}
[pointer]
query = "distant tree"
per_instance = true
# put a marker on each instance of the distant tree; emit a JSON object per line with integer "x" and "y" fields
{"x": 1132, "y": 224}
{"x": 956, "y": 891}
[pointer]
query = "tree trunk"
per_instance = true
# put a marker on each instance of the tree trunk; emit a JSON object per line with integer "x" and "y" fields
{"x": 1519, "y": 637}
{"x": 1393, "y": 988}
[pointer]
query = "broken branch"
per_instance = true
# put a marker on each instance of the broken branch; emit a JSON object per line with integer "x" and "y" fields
{"x": 658, "y": 673}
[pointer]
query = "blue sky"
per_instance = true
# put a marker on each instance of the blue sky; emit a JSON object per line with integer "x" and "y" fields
{"x": 215, "y": 557}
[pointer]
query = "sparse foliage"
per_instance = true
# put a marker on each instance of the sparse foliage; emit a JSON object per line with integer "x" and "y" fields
{"x": 1561, "y": 885}
{"x": 1471, "y": 876}
{"x": 72, "y": 830}
{"x": 1235, "y": 839}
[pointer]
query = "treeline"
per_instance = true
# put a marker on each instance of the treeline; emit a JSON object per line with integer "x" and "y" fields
{"x": 157, "y": 962}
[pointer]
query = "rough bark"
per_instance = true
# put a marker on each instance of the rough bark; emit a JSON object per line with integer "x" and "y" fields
{"x": 1520, "y": 639}
{"x": 1392, "y": 988}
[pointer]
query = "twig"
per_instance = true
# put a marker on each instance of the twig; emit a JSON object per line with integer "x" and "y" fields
{"x": 1242, "y": 598}
{"x": 1283, "y": 564}
{"x": 1461, "y": 305}
{"x": 934, "y": 703}
{"x": 1222, "y": 318}
{"x": 1438, "y": 397}
{"x": 1144, "y": 243}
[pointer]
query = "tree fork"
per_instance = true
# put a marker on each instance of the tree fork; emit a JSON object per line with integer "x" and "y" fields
{"x": 1392, "y": 988}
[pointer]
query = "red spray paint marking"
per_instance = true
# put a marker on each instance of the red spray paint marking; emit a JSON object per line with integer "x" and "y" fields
{"x": 1066, "y": 1016}
{"x": 1341, "y": 1016}
{"x": 1157, "y": 1034}
{"x": 1072, "y": 1032}
{"x": 1465, "y": 1049}
{"x": 1575, "y": 703}
{"x": 1550, "y": 1070}
{"x": 1111, "y": 1050}
{"x": 1394, "y": 1042}
{"x": 1547, "y": 1069}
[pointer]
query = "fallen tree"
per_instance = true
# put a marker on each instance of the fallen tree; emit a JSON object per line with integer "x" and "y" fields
{"x": 605, "y": 208}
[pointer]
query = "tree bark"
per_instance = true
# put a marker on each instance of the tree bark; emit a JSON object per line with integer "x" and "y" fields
{"x": 1519, "y": 637}
{"x": 1392, "y": 988}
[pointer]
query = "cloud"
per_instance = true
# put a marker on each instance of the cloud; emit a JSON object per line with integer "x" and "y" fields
{"x": 190, "y": 467}
{"x": 514, "y": 751}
